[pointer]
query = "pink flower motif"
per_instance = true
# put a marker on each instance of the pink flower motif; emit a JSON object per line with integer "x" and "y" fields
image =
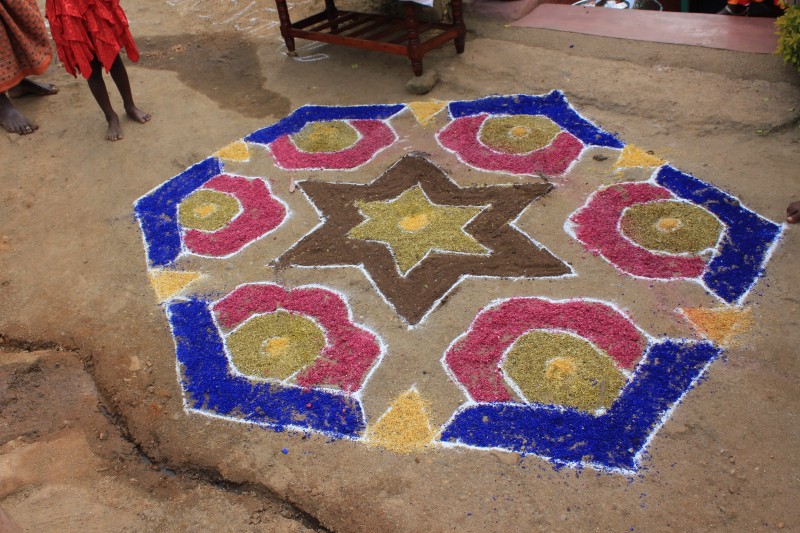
{"x": 474, "y": 359}
{"x": 375, "y": 135}
{"x": 462, "y": 136}
{"x": 596, "y": 225}
{"x": 261, "y": 213}
{"x": 350, "y": 351}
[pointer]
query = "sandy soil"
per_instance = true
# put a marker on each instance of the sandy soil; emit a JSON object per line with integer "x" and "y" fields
{"x": 68, "y": 466}
{"x": 74, "y": 290}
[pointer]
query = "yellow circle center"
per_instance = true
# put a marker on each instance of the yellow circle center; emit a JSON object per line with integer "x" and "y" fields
{"x": 519, "y": 132}
{"x": 560, "y": 368}
{"x": 275, "y": 346}
{"x": 668, "y": 224}
{"x": 205, "y": 210}
{"x": 323, "y": 132}
{"x": 414, "y": 222}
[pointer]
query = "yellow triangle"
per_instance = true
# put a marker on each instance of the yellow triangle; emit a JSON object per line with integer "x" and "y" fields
{"x": 425, "y": 111}
{"x": 168, "y": 283}
{"x": 633, "y": 156}
{"x": 236, "y": 151}
{"x": 405, "y": 427}
{"x": 721, "y": 324}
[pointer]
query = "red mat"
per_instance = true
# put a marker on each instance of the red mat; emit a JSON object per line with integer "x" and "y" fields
{"x": 743, "y": 34}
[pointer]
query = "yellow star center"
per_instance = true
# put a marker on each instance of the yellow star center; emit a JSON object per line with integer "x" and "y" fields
{"x": 414, "y": 222}
{"x": 412, "y": 227}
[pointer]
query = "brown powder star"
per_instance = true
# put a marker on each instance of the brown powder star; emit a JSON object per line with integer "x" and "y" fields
{"x": 513, "y": 254}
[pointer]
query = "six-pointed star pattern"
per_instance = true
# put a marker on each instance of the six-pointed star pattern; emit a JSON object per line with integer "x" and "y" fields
{"x": 513, "y": 254}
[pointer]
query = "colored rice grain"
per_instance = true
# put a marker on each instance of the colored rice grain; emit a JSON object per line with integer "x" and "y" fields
{"x": 463, "y": 137}
{"x": 720, "y": 325}
{"x": 168, "y": 283}
{"x": 275, "y": 345}
{"x": 236, "y": 151}
{"x": 633, "y": 156}
{"x": 412, "y": 226}
{"x": 518, "y": 134}
{"x": 208, "y": 210}
{"x": 260, "y": 213}
{"x": 670, "y": 226}
{"x": 325, "y": 136}
{"x": 562, "y": 369}
{"x": 424, "y": 112}
{"x": 405, "y": 427}
{"x": 349, "y": 352}
{"x": 597, "y": 226}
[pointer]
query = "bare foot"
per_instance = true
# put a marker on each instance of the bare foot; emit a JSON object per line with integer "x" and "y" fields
{"x": 29, "y": 87}
{"x": 137, "y": 114}
{"x": 12, "y": 120}
{"x": 114, "y": 132}
{"x": 793, "y": 212}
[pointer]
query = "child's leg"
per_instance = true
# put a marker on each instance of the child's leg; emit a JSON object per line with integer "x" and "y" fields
{"x": 98, "y": 88}
{"x": 120, "y": 76}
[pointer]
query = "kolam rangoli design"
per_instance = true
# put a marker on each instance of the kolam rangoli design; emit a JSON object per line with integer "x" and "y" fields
{"x": 279, "y": 258}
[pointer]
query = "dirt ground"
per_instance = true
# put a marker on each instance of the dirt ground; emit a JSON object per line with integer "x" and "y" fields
{"x": 93, "y": 434}
{"x": 80, "y": 465}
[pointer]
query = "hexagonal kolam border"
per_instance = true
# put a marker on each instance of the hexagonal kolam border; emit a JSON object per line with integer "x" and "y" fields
{"x": 325, "y": 395}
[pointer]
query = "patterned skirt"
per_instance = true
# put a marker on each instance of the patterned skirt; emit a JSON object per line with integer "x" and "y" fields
{"x": 24, "y": 45}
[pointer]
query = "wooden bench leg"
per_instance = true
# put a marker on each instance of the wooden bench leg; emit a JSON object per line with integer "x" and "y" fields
{"x": 458, "y": 22}
{"x": 413, "y": 38}
{"x": 331, "y": 12}
{"x": 286, "y": 25}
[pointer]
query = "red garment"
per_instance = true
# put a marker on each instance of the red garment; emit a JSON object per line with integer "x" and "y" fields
{"x": 88, "y": 29}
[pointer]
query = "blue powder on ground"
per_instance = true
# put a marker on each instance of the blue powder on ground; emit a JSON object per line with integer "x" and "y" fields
{"x": 157, "y": 212}
{"x": 745, "y": 243}
{"x": 611, "y": 440}
{"x": 298, "y": 119}
{"x": 552, "y": 105}
{"x": 208, "y": 384}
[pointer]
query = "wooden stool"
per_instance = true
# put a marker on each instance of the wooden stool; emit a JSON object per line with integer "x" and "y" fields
{"x": 403, "y": 36}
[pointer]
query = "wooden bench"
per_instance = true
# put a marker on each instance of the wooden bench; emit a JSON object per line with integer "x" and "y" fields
{"x": 405, "y": 36}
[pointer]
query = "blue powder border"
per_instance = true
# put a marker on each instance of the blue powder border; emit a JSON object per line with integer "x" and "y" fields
{"x": 157, "y": 211}
{"x": 612, "y": 440}
{"x": 295, "y": 121}
{"x": 209, "y": 387}
{"x": 553, "y": 105}
{"x": 745, "y": 245}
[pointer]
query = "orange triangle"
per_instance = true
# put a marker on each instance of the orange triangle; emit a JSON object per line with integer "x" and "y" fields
{"x": 405, "y": 427}
{"x": 633, "y": 156}
{"x": 720, "y": 325}
{"x": 236, "y": 151}
{"x": 425, "y": 111}
{"x": 168, "y": 283}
